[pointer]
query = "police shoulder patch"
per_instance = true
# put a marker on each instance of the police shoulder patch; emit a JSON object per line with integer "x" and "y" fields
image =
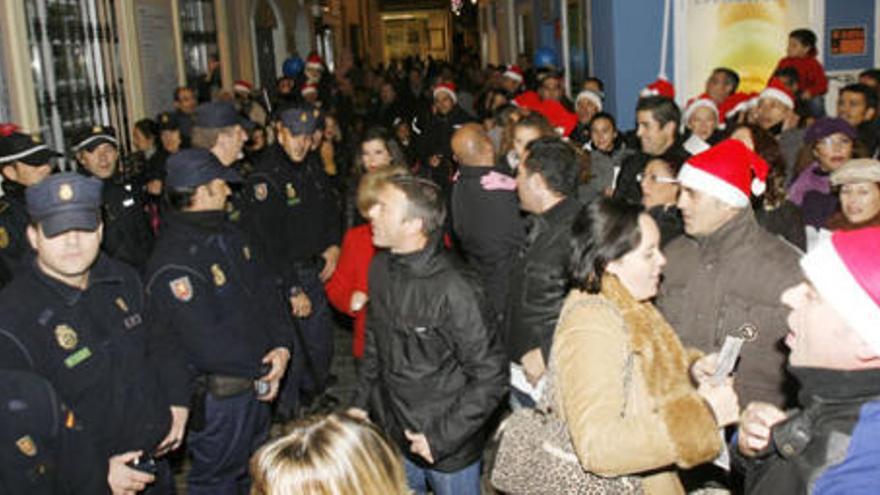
{"x": 181, "y": 288}
{"x": 26, "y": 446}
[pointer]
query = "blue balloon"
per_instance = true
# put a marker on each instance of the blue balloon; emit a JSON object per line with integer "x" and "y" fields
{"x": 293, "y": 66}
{"x": 545, "y": 58}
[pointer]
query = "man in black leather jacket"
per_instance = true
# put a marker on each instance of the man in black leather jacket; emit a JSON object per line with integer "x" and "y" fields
{"x": 433, "y": 372}
{"x": 546, "y": 184}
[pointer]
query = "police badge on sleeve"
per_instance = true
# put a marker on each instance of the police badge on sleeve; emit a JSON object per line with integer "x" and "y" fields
{"x": 182, "y": 288}
{"x": 261, "y": 191}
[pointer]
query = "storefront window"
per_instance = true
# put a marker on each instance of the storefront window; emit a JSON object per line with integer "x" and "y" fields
{"x": 198, "y": 23}
{"x": 77, "y": 75}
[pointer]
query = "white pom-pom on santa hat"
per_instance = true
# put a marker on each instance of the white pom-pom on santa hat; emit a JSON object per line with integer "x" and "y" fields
{"x": 846, "y": 272}
{"x": 729, "y": 171}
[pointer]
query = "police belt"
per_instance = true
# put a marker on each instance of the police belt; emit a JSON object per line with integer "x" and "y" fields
{"x": 225, "y": 386}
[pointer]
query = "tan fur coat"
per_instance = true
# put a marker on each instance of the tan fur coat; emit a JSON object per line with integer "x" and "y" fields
{"x": 622, "y": 387}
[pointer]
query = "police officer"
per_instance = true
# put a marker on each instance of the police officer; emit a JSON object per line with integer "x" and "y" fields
{"x": 25, "y": 160}
{"x": 220, "y": 129}
{"x": 214, "y": 303}
{"x": 42, "y": 449}
{"x": 75, "y": 317}
{"x": 127, "y": 233}
{"x": 295, "y": 219}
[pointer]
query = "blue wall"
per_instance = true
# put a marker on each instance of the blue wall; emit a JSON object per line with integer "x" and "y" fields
{"x": 626, "y": 38}
{"x": 627, "y": 56}
{"x": 851, "y": 13}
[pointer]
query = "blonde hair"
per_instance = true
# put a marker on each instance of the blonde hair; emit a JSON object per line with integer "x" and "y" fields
{"x": 334, "y": 454}
{"x": 370, "y": 184}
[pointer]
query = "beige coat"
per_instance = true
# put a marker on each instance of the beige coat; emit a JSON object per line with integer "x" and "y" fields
{"x": 622, "y": 388}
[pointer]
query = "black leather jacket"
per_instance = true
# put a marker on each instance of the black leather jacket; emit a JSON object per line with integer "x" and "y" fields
{"x": 433, "y": 363}
{"x": 828, "y": 446}
{"x": 538, "y": 284}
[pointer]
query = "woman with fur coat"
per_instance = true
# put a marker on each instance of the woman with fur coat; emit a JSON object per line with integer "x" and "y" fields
{"x": 621, "y": 376}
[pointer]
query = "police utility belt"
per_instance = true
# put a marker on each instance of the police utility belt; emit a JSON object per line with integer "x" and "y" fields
{"x": 221, "y": 387}
{"x": 225, "y": 386}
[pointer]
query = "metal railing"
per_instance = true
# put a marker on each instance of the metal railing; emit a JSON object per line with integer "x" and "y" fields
{"x": 74, "y": 49}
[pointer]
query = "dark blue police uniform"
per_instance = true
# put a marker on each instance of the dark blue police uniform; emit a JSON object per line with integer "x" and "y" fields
{"x": 27, "y": 150}
{"x": 220, "y": 115}
{"x": 128, "y": 236}
{"x": 91, "y": 343}
{"x": 217, "y": 310}
{"x": 293, "y": 216}
{"x": 42, "y": 449}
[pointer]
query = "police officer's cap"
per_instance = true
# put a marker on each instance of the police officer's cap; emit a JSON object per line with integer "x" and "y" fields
{"x": 167, "y": 121}
{"x": 65, "y": 201}
{"x": 219, "y": 114}
{"x": 16, "y": 146}
{"x": 190, "y": 168}
{"x": 300, "y": 119}
{"x": 89, "y": 138}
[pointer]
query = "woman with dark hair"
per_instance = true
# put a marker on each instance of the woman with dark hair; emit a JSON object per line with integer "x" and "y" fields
{"x": 522, "y": 132}
{"x": 607, "y": 152}
{"x": 773, "y": 210}
{"x": 828, "y": 144}
{"x": 619, "y": 376}
{"x": 378, "y": 149}
{"x": 659, "y": 196}
{"x": 858, "y": 187}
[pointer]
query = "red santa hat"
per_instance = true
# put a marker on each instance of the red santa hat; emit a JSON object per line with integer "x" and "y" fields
{"x": 446, "y": 87}
{"x": 660, "y": 87}
{"x": 778, "y": 91}
{"x": 736, "y": 103}
{"x": 591, "y": 96}
{"x": 315, "y": 62}
{"x": 514, "y": 72}
{"x": 845, "y": 270}
{"x": 242, "y": 86}
{"x": 561, "y": 119}
{"x": 729, "y": 171}
{"x": 702, "y": 101}
{"x": 308, "y": 88}
{"x": 529, "y": 100}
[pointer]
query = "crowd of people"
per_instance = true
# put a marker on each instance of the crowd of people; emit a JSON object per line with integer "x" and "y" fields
{"x": 540, "y": 300}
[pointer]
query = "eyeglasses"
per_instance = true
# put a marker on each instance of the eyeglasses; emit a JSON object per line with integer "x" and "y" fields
{"x": 657, "y": 179}
{"x": 832, "y": 141}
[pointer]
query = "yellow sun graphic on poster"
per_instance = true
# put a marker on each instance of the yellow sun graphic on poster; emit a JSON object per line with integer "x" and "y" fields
{"x": 749, "y": 38}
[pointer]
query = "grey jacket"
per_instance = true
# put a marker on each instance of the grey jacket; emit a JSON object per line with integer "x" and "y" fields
{"x": 714, "y": 285}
